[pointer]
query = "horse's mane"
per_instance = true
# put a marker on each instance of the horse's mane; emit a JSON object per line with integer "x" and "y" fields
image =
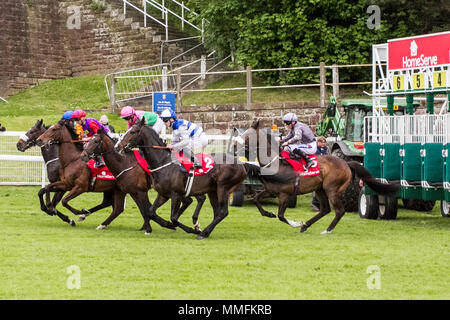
{"x": 73, "y": 134}
{"x": 154, "y": 136}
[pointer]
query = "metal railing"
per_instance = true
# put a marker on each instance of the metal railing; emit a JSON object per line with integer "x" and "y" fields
{"x": 146, "y": 7}
{"x": 178, "y": 84}
{"x": 18, "y": 168}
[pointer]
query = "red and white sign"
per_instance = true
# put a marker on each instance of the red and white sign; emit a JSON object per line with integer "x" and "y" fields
{"x": 419, "y": 52}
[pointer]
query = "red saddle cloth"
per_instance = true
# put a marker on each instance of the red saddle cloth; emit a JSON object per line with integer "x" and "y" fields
{"x": 206, "y": 160}
{"x": 102, "y": 173}
{"x": 299, "y": 166}
{"x": 142, "y": 162}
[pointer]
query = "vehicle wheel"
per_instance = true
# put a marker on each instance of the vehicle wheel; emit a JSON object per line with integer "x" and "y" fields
{"x": 351, "y": 195}
{"x": 445, "y": 208}
{"x": 236, "y": 198}
{"x": 390, "y": 208}
{"x": 368, "y": 206}
{"x": 292, "y": 202}
{"x": 418, "y": 204}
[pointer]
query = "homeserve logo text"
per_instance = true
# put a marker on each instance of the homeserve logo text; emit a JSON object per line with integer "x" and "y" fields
{"x": 420, "y": 61}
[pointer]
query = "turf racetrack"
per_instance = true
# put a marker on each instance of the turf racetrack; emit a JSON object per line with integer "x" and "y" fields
{"x": 246, "y": 257}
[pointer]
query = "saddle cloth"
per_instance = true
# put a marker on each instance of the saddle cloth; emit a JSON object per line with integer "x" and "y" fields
{"x": 102, "y": 173}
{"x": 299, "y": 166}
{"x": 206, "y": 160}
{"x": 142, "y": 162}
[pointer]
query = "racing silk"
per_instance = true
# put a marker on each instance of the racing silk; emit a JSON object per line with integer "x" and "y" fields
{"x": 158, "y": 126}
{"x": 92, "y": 125}
{"x": 300, "y": 134}
{"x": 183, "y": 132}
{"x": 137, "y": 116}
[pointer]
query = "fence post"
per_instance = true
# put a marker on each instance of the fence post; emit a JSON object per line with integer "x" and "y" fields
{"x": 112, "y": 93}
{"x": 203, "y": 67}
{"x": 249, "y": 87}
{"x": 179, "y": 101}
{"x": 322, "y": 84}
{"x": 335, "y": 71}
{"x": 144, "y": 5}
{"x": 164, "y": 79}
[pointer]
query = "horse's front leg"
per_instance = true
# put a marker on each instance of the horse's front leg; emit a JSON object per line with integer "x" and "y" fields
{"x": 257, "y": 201}
{"x": 200, "y": 200}
{"x": 283, "y": 200}
{"x": 108, "y": 200}
{"x": 119, "y": 204}
{"x": 175, "y": 213}
{"x": 75, "y": 192}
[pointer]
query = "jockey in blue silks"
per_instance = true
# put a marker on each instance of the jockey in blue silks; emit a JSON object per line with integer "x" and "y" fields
{"x": 186, "y": 136}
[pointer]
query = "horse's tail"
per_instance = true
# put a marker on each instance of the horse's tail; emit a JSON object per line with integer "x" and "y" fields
{"x": 390, "y": 189}
{"x": 253, "y": 171}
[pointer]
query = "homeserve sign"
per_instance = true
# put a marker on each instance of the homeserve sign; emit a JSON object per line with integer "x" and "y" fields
{"x": 421, "y": 61}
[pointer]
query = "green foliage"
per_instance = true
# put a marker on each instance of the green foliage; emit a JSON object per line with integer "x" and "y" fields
{"x": 273, "y": 33}
{"x": 97, "y": 7}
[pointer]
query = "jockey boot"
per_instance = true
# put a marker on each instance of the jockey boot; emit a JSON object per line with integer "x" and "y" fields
{"x": 197, "y": 163}
{"x": 99, "y": 162}
{"x": 301, "y": 153}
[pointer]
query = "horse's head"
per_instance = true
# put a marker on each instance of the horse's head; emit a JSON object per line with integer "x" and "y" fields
{"x": 94, "y": 146}
{"x": 52, "y": 134}
{"x": 28, "y": 139}
{"x": 131, "y": 139}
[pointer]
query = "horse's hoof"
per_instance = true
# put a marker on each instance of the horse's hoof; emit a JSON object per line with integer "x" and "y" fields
{"x": 81, "y": 218}
{"x": 325, "y": 232}
{"x": 100, "y": 227}
{"x": 72, "y": 223}
{"x": 147, "y": 233}
{"x": 271, "y": 215}
{"x": 85, "y": 212}
{"x": 303, "y": 228}
{"x": 200, "y": 237}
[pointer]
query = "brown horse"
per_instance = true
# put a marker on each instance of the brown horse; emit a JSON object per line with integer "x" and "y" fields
{"x": 170, "y": 181}
{"x": 131, "y": 177}
{"x": 75, "y": 174}
{"x": 335, "y": 175}
{"x": 50, "y": 154}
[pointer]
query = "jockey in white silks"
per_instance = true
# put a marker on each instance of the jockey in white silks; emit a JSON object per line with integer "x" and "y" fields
{"x": 186, "y": 136}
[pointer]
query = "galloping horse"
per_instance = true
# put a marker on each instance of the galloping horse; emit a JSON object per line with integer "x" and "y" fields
{"x": 170, "y": 182}
{"x": 50, "y": 154}
{"x": 74, "y": 173}
{"x": 335, "y": 175}
{"x": 130, "y": 177}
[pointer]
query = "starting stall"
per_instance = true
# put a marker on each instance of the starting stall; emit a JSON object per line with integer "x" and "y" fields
{"x": 411, "y": 149}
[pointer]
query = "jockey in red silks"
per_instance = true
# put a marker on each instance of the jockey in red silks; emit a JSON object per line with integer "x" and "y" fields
{"x": 90, "y": 125}
{"x": 128, "y": 113}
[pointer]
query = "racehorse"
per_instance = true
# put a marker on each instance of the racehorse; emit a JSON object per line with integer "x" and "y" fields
{"x": 170, "y": 181}
{"x": 50, "y": 155}
{"x": 75, "y": 174}
{"x": 330, "y": 185}
{"x": 131, "y": 177}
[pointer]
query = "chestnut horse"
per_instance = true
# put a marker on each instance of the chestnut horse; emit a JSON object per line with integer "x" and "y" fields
{"x": 335, "y": 175}
{"x": 50, "y": 154}
{"x": 170, "y": 181}
{"x": 75, "y": 176}
{"x": 131, "y": 177}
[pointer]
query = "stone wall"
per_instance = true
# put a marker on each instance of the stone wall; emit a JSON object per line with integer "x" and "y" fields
{"x": 222, "y": 118}
{"x": 37, "y": 45}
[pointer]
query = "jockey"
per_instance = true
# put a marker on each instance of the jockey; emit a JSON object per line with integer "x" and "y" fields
{"x": 152, "y": 119}
{"x": 90, "y": 125}
{"x": 300, "y": 141}
{"x": 186, "y": 136}
{"x": 128, "y": 113}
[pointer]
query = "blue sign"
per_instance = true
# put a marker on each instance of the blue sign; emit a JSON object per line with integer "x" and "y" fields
{"x": 163, "y": 100}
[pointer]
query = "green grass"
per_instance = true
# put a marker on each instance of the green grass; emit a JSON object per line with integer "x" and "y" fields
{"x": 246, "y": 257}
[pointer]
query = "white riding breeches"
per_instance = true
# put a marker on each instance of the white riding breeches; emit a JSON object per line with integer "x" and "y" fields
{"x": 309, "y": 148}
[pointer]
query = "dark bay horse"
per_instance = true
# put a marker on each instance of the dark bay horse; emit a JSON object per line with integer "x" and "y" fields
{"x": 330, "y": 185}
{"x": 74, "y": 174}
{"x": 130, "y": 177}
{"x": 50, "y": 153}
{"x": 170, "y": 181}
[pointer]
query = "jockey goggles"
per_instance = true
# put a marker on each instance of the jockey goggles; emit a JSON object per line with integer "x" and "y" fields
{"x": 127, "y": 118}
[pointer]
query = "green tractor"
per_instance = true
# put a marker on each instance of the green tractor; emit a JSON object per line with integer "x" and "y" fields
{"x": 345, "y": 139}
